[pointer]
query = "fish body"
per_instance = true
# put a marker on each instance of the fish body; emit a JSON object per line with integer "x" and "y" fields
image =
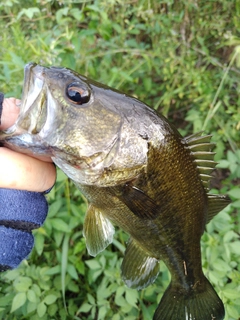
{"x": 136, "y": 171}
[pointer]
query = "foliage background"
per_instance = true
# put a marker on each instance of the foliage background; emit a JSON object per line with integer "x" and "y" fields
{"x": 180, "y": 57}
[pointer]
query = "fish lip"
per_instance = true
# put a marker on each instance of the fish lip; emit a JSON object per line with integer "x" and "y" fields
{"x": 30, "y": 75}
{"x": 32, "y": 102}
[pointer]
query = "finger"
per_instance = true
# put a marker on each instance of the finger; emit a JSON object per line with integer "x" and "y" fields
{"x": 42, "y": 158}
{"x": 10, "y": 112}
{"x": 19, "y": 171}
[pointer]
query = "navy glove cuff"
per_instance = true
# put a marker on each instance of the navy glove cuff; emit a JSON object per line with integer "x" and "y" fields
{"x": 15, "y": 245}
{"x": 22, "y": 210}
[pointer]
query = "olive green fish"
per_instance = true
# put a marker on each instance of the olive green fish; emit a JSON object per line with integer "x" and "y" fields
{"x": 136, "y": 171}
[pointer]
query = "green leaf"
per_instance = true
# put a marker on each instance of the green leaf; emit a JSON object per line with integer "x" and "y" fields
{"x": 95, "y": 274}
{"x": 236, "y": 204}
{"x": 231, "y": 294}
{"x": 235, "y": 193}
{"x": 12, "y": 274}
{"x": 77, "y": 14}
{"x": 52, "y": 309}
{"x": 50, "y": 299}
{"x": 80, "y": 247}
{"x": 132, "y": 297}
{"x": 91, "y": 299}
{"x": 60, "y": 13}
{"x": 54, "y": 208}
{"x": 22, "y": 284}
{"x": 58, "y": 237}
{"x": 32, "y": 306}
{"x": 60, "y": 225}
{"x": 233, "y": 312}
{"x": 36, "y": 289}
{"x": 85, "y": 307}
{"x": 80, "y": 267}
{"x": 234, "y": 247}
{"x": 231, "y": 156}
{"x": 54, "y": 270}
{"x": 229, "y": 236}
{"x": 223, "y": 164}
{"x": 103, "y": 292}
{"x": 6, "y": 300}
{"x": 31, "y": 296}
{"x": 39, "y": 243}
{"x": 120, "y": 301}
{"x": 73, "y": 287}
{"x": 41, "y": 309}
{"x": 72, "y": 271}
{"x": 18, "y": 301}
{"x": 28, "y": 12}
{"x": 93, "y": 264}
{"x": 102, "y": 312}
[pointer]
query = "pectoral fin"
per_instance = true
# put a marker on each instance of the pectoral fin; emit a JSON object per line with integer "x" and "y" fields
{"x": 138, "y": 202}
{"x": 139, "y": 269}
{"x": 97, "y": 230}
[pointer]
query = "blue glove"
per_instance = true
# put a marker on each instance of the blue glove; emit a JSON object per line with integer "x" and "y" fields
{"x": 20, "y": 213}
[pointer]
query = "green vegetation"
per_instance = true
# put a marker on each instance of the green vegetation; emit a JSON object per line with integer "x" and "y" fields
{"x": 180, "y": 57}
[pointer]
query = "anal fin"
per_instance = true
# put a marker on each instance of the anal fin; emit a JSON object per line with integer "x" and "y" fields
{"x": 139, "y": 269}
{"x": 97, "y": 230}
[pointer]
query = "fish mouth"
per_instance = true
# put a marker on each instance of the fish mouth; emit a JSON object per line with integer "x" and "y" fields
{"x": 33, "y": 113}
{"x": 23, "y": 136}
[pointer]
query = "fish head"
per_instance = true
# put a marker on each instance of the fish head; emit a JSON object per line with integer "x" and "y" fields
{"x": 69, "y": 118}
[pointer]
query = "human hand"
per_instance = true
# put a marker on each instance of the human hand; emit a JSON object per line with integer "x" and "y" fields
{"x": 20, "y": 171}
{"x": 24, "y": 209}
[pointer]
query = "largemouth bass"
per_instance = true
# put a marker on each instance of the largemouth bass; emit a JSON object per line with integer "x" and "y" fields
{"x": 136, "y": 171}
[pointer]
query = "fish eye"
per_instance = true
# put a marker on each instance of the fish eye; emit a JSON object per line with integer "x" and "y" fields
{"x": 77, "y": 94}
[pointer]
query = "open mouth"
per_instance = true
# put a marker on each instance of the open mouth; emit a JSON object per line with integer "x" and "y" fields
{"x": 33, "y": 107}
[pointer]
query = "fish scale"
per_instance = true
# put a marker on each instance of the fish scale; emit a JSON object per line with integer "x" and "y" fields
{"x": 136, "y": 171}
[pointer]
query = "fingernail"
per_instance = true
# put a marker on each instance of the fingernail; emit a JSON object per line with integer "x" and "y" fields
{"x": 18, "y": 102}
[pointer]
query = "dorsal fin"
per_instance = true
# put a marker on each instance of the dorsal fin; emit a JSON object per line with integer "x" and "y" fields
{"x": 200, "y": 148}
{"x": 191, "y": 140}
{"x": 216, "y": 203}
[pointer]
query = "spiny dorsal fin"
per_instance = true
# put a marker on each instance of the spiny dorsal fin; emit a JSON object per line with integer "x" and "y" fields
{"x": 191, "y": 140}
{"x": 200, "y": 148}
{"x": 138, "y": 268}
{"x": 216, "y": 203}
{"x": 97, "y": 230}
